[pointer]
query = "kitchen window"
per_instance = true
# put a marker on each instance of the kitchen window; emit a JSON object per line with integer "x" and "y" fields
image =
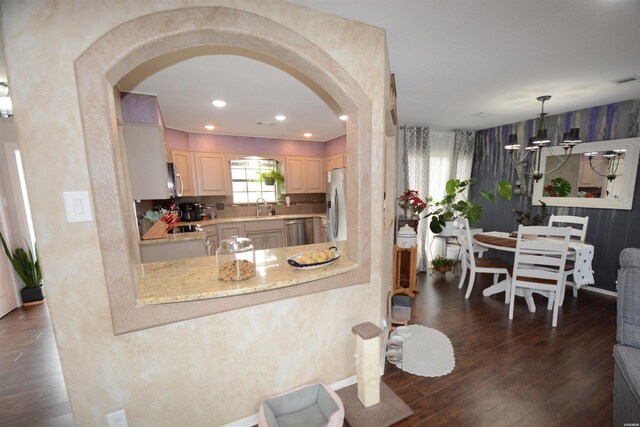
{"x": 245, "y": 182}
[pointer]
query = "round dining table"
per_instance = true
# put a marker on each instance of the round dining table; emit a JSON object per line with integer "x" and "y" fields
{"x": 583, "y": 275}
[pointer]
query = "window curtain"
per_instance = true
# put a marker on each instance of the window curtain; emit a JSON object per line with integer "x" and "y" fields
{"x": 415, "y": 164}
{"x": 462, "y": 161}
{"x": 440, "y": 165}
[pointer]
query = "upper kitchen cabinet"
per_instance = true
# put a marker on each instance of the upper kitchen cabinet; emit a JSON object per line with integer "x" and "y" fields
{"x": 335, "y": 162}
{"x": 148, "y": 168}
{"x": 183, "y": 165}
{"x": 304, "y": 175}
{"x": 212, "y": 174}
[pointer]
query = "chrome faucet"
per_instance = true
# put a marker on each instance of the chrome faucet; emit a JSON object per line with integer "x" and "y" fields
{"x": 264, "y": 202}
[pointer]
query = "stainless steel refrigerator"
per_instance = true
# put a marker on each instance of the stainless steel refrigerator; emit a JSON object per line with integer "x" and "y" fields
{"x": 336, "y": 205}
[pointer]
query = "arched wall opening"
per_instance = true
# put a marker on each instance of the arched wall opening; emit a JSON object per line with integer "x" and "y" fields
{"x": 127, "y": 46}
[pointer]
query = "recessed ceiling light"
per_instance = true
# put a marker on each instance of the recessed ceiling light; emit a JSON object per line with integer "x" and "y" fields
{"x": 209, "y": 127}
{"x": 280, "y": 117}
{"x": 308, "y": 135}
{"x": 219, "y": 103}
{"x": 343, "y": 117}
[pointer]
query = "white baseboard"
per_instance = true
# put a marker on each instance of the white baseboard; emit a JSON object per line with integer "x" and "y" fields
{"x": 252, "y": 420}
{"x": 598, "y": 290}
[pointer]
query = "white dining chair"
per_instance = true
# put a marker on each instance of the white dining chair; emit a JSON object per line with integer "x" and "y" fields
{"x": 476, "y": 265}
{"x": 576, "y": 234}
{"x": 539, "y": 263}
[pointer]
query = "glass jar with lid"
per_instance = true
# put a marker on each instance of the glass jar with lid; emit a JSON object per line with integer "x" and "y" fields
{"x": 236, "y": 259}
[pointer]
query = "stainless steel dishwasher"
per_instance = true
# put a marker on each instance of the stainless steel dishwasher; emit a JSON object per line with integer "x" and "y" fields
{"x": 298, "y": 231}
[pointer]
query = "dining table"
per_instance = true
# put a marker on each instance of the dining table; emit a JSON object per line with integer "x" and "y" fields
{"x": 502, "y": 241}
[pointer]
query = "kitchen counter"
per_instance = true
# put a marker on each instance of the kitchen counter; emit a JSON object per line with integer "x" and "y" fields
{"x": 179, "y": 237}
{"x": 253, "y": 218}
{"x": 197, "y": 278}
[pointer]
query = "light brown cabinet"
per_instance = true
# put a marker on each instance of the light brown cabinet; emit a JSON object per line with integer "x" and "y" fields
{"x": 304, "y": 175}
{"x": 335, "y": 162}
{"x": 212, "y": 174}
{"x": 183, "y": 166}
{"x": 589, "y": 178}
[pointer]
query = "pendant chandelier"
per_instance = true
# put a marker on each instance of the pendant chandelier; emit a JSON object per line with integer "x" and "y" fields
{"x": 610, "y": 160}
{"x": 537, "y": 144}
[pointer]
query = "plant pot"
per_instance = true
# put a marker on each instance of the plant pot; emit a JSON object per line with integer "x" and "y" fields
{"x": 269, "y": 181}
{"x": 444, "y": 269}
{"x": 32, "y": 296}
{"x": 447, "y": 230}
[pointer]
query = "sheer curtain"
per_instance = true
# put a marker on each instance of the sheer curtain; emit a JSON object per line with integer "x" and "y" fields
{"x": 440, "y": 165}
{"x": 415, "y": 164}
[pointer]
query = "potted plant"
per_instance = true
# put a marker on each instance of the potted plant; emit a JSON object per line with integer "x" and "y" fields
{"x": 271, "y": 177}
{"x": 28, "y": 268}
{"x": 559, "y": 187}
{"x": 529, "y": 218}
{"x": 412, "y": 203}
{"x": 442, "y": 264}
{"x": 456, "y": 205}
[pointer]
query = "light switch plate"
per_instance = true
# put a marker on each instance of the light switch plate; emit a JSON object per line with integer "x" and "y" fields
{"x": 77, "y": 206}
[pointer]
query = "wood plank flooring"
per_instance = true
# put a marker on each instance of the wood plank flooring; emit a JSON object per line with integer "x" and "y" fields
{"x": 32, "y": 390}
{"x": 519, "y": 372}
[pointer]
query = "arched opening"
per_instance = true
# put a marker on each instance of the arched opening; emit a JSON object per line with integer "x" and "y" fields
{"x": 137, "y": 41}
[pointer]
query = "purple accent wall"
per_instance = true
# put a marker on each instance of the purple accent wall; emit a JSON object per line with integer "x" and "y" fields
{"x": 255, "y": 146}
{"x": 176, "y": 139}
{"x": 140, "y": 109}
{"x": 336, "y": 146}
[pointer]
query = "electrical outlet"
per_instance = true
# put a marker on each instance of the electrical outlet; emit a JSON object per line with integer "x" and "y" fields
{"x": 117, "y": 419}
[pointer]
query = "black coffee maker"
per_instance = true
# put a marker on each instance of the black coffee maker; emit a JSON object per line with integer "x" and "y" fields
{"x": 190, "y": 212}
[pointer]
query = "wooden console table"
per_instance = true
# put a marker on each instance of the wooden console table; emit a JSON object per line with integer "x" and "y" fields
{"x": 404, "y": 270}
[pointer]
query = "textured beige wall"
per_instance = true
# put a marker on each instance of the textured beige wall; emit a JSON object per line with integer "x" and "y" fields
{"x": 206, "y": 371}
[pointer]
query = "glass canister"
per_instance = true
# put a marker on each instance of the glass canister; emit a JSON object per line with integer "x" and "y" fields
{"x": 236, "y": 259}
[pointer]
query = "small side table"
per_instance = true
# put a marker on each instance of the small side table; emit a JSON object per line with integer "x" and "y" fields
{"x": 404, "y": 270}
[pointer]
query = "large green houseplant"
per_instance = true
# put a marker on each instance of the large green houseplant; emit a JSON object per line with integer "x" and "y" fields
{"x": 456, "y": 205}
{"x": 28, "y": 268}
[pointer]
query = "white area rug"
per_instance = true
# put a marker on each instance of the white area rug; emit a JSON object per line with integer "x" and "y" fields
{"x": 427, "y": 352}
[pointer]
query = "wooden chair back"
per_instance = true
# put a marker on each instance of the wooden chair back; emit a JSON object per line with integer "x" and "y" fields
{"x": 541, "y": 253}
{"x": 571, "y": 222}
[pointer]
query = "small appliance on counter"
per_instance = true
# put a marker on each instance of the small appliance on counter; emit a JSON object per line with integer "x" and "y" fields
{"x": 190, "y": 212}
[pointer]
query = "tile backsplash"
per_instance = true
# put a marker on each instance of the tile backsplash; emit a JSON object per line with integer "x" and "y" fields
{"x": 300, "y": 204}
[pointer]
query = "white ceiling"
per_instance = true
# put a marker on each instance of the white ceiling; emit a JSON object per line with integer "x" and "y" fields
{"x": 452, "y": 59}
{"x": 456, "y": 58}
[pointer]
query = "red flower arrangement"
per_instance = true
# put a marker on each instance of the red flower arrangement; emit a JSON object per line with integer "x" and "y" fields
{"x": 411, "y": 200}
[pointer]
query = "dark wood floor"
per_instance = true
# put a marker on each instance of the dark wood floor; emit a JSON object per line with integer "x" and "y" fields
{"x": 520, "y": 372}
{"x": 32, "y": 390}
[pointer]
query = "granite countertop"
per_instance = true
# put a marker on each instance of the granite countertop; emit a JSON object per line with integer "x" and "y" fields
{"x": 179, "y": 237}
{"x": 253, "y": 218}
{"x": 194, "y": 279}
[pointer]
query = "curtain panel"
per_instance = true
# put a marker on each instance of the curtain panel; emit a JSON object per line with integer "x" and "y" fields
{"x": 416, "y": 177}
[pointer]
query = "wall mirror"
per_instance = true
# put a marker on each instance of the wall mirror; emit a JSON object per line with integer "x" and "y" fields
{"x": 589, "y": 189}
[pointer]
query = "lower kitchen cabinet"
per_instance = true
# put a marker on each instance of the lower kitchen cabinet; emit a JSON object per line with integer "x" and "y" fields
{"x": 226, "y": 231}
{"x": 268, "y": 234}
{"x": 167, "y": 251}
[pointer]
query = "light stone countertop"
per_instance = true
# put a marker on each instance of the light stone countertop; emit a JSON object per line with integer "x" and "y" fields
{"x": 253, "y": 218}
{"x": 179, "y": 237}
{"x": 194, "y": 279}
